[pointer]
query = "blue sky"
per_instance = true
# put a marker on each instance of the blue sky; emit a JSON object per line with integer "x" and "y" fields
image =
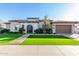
{"x": 55, "y": 11}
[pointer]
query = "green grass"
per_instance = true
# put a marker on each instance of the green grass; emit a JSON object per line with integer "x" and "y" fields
{"x": 7, "y": 37}
{"x": 49, "y": 40}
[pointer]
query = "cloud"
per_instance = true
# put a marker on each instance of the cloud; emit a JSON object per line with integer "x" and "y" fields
{"x": 70, "y": 14}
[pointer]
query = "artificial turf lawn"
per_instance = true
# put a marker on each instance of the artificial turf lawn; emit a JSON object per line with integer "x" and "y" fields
{"x": 49, "y": 40}
{"x": 5, "y": 38}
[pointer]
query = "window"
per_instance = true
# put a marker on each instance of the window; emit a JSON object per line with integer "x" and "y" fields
{"x": 15, "y": 28}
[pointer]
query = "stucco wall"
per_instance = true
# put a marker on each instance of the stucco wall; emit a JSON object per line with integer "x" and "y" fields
{"x": 19, "y": 25}
{"x": 7, "y": 26}
{"x": 13, "y": 25}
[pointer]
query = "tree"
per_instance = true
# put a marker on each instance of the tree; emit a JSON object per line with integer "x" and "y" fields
{"x": 46, "y": 24}
{"x": 47, "y": 27}
{"x": 22, "y": 30}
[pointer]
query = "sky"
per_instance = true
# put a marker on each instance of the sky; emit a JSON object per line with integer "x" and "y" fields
{"x": 54, "y": 11}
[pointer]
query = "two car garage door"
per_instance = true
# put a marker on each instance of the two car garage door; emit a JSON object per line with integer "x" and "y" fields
{"x": 63, "y": 29}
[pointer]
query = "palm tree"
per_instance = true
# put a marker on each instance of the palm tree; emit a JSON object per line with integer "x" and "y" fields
{"x": 46, "y": 24}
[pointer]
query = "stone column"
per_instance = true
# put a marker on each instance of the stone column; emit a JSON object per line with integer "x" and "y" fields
{"x": 54, "y": 28}
{"x": 73, "y": 29}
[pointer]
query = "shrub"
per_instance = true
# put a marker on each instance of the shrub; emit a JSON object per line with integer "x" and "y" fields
{"x": 39, "y": 31}
{"x": 5, "y": 31}
{"x": 21, "y": 30}
{"x": 49, "y": 31}
{"x": 14, "y": 32}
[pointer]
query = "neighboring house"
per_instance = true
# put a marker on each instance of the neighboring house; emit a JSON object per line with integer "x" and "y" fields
{"x": 3, "y": 26}
{"x": 7, "y": 25}
{"x": 31, "y": 24}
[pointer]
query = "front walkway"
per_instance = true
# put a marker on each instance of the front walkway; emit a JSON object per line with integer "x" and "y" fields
{"x": 19, "y": 40}
{"x": 39, "y": 50}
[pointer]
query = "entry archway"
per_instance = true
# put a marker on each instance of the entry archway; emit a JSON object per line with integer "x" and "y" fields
{"x": 29, "y": 29}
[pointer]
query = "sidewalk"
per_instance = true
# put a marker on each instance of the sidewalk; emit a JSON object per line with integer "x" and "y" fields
{"x": 19, "y": 40}
{"x": 39, "y": 50}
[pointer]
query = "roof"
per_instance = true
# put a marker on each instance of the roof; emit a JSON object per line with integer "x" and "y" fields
{"x": 65, "y": 22}
{"x": 32, "y": 17}
{"x": 36, "y": 21}
{"x": 24, "y": 21}
{"x": 7, "y": 23}
{"x": 17, "y": 20}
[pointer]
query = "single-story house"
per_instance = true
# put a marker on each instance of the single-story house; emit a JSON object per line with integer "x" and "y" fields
{"x": 32, "y": 23}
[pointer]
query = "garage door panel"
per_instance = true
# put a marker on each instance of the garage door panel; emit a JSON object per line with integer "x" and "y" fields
{"x": 63, "y": 28}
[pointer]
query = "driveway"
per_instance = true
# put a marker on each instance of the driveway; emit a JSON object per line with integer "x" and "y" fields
{"x": 75, "y": 36}
{"x": 39, "y": 50}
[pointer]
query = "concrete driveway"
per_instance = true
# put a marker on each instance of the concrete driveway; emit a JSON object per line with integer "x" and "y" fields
{"x": 38, "y": 50}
